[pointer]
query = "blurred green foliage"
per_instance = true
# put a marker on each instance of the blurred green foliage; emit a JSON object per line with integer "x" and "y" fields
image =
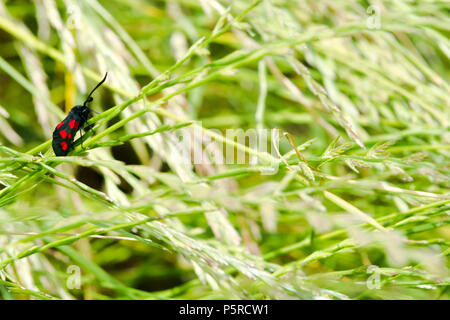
{"x": 354, "y": 95}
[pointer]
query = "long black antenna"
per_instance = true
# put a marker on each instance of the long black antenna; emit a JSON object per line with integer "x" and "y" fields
{"x": 89, "y": 99}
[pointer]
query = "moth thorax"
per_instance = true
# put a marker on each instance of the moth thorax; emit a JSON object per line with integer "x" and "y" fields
{"x": 82, "y": 111}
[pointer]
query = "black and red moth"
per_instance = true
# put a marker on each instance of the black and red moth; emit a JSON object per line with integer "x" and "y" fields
{"x": 65, "y": 131}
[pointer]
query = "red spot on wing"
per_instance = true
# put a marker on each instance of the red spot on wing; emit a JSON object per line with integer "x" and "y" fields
{"x": 59, "y": 125}
{"x": 70, "y": 136}
{"x": 74, "y": 124}
{"x": 63, "y": 134}
{"x": 64, "y": 145}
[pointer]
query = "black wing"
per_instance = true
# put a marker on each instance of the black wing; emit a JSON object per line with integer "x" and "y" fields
{"x": 63, "y": 136}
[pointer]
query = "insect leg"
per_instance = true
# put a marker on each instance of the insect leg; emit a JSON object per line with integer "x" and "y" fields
{"x": 89, "y": 128}
{"x": 92, "y": 130}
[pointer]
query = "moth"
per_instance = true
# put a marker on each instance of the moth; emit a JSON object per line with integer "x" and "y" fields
{"x": 65, "y": 131}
